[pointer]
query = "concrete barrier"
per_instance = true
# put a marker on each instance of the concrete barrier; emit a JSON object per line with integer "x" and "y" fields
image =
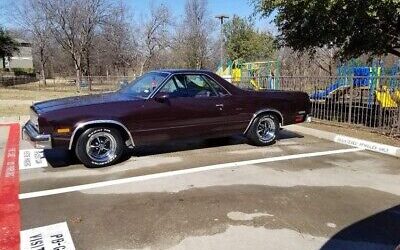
{"x": 346, "y": 140}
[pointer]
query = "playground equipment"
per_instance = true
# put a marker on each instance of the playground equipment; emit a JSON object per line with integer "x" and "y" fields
{"x": 258, "y": 75}
{"x": 381, "y": 88}
{"x": 366, "y": 96}
{"x": 385, "y": 98}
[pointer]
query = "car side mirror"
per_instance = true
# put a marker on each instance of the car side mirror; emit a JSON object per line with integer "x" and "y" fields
{"x": 162, "y": 98}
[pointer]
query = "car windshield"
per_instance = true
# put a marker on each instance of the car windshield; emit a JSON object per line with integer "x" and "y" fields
{"x": 144, "y": 85}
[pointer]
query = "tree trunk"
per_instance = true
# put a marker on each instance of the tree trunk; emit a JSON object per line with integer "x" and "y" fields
{"x": 4, "y": 63}
{"x": 77, "y": 62}
{"x": 141, "y": 68}
{"x": 78, "y": 77}
{"x": 42, "y": 66}
{"x": 88, "y": 69}
{"x": 43, "y": 75}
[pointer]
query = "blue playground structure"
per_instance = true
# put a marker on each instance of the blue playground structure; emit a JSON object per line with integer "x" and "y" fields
{"x": 365, "y": 79}
{"x": 362, "y": 78}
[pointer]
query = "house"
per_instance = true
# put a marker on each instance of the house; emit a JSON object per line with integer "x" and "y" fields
{"x": 22, "y": 59}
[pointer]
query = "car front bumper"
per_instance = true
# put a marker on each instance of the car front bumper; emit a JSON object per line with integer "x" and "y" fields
{"x": 42, "y": 141}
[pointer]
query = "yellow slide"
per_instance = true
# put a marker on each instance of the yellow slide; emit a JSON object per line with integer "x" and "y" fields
{"x": 385, "y": 99}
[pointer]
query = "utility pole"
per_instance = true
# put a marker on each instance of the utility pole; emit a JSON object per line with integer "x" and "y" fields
{"x": 221, "y": 18}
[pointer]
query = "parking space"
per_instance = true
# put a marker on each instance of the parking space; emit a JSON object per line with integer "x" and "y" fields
{"x": 66, "y": 171}
{"x": 300, "y": 193}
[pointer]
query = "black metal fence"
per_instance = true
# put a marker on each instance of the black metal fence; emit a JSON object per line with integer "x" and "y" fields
{"x": 6, "y": 81}
{"x": 369, "y": 102}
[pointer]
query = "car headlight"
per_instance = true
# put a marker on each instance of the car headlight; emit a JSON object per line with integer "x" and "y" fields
{"x": 34, "y": 119}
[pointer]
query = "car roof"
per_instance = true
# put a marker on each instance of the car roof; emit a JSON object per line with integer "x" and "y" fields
{"x": 228, "y": 86}
{"x": 187, "y": 71}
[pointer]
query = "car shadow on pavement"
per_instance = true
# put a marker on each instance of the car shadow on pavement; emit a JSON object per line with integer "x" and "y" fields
{"x": 379, "y": 231}
{"x": 58, "y": 158}
{"x": 186, "y": 145}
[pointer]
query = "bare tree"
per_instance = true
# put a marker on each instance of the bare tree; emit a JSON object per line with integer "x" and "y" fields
{"x": 154, "y": 34}
{"x": 116, "y": 44}
{"x": 33, "y": 21}
{"x": 98, "y": 37}
{"x": 325, "y": 59}
{"x": 95, "y": 14}
{"x": 322, "y": 62}
{"x": 73, "y": 24}
{"x": 194, "y": 34}
{"x": 294, "y": 63}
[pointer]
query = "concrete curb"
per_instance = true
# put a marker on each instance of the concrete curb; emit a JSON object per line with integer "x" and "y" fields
{"x": 346, "y": 140}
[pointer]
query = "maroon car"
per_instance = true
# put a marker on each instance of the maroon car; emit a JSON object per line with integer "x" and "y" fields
{"x": 161, "y": 106}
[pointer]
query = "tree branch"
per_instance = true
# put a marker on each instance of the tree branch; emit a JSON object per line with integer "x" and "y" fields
{"x": 394, "y": 52}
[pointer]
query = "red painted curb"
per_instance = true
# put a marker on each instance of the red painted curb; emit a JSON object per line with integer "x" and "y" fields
{"x": 10, "y": 224}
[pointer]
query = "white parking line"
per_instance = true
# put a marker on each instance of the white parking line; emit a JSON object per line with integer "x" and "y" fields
{"x": 180, "y": 172}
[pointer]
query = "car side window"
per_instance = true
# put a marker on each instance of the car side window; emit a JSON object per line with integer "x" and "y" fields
{"x": 220, "y": 90}
{"x": 197, "y": 87}
{"x": 175, "y": 87}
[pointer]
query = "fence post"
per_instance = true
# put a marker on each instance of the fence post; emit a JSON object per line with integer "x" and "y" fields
{"x": 351, "y": 100}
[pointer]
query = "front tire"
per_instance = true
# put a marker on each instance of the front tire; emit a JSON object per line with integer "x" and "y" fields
{"x": 264, "y": 130}
{"x": 99, "y": 147}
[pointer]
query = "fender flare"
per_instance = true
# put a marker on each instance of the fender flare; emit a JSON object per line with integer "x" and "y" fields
{"x": 81, "y": 125}
{"x": 264, "y": 111}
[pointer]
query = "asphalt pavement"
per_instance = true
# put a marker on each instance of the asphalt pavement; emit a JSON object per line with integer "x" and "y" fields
{"x": 300, "y": 193}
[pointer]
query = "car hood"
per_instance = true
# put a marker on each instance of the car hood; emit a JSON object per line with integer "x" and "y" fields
{"x": 77, "y": 101}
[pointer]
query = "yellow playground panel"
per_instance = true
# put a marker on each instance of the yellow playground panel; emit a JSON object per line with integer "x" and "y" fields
{"x": 387, "y": 99}
{"x": 260, "y": 75}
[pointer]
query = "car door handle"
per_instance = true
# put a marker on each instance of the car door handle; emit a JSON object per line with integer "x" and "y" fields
{"x": 219, "y": 105}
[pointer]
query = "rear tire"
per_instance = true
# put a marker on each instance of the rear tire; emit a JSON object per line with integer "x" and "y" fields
{"x": 263, "y": 130}
{"x": 99, "y": 147}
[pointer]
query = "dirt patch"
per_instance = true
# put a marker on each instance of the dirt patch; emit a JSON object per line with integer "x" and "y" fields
{"x": 34, "y": 94}
{"x": 16, "y": 102}
{"x": 14, "y": 109}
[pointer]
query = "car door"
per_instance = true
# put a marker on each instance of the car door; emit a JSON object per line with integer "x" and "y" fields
{"x": 186, "y": 106}
{"x": 234, "y": 109}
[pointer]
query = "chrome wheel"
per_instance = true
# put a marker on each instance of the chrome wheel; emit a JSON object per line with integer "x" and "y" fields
{"x": 266, "y": 129}
{"x": 101, "y": 147}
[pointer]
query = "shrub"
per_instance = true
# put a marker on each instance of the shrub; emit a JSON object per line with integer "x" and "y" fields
{"x": 24, "y": 72}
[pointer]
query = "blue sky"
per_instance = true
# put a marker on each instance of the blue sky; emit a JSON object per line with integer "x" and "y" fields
{"x": 139, "y": 8}
{"x": 228, "y": 7}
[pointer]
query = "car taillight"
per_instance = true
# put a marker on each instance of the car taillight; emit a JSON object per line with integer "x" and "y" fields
{"x": 299, "y": 118}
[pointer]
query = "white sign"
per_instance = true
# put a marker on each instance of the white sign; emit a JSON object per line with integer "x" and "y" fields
{"x": 32, "y": 158}
{"x": 52, "y": 237}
